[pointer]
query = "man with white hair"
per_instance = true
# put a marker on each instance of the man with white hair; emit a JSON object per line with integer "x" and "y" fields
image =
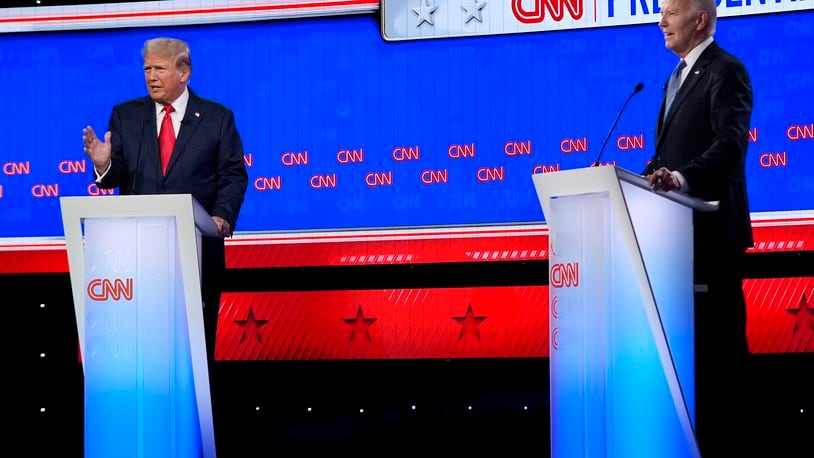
{"x": 701, "y": 141}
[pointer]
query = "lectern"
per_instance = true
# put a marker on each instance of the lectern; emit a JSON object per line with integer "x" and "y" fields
{"x": 135, "y": 274}
{"x": 621, "y": 315}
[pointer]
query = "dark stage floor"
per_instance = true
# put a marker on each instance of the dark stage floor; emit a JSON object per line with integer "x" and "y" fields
{"x": 398, "y": 408}
{"x": 463, "y": 407}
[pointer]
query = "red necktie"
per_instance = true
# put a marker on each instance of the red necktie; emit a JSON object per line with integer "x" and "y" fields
{"x": 166, "y": 138}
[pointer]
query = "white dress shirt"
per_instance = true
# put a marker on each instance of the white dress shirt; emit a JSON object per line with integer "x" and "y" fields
{"x": 691, "y": 58}
{"x": 180, "y": 105}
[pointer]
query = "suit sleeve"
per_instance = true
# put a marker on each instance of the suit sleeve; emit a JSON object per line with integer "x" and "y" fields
{"x": 730, "y": 113}
{"x": 650, "y": 167}
{"x": 232, "y": 177}
{"x": 651, "y": 164}
{"x": 117, "y": 175}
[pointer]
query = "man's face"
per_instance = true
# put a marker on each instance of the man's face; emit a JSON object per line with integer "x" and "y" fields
{"x": 682, "y": 24}
{"x": 165, "y": 81}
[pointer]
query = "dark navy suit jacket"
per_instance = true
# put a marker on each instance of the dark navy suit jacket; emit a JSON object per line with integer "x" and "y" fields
{"x": 207, "y": 161}
{"x": 704, "y": 137}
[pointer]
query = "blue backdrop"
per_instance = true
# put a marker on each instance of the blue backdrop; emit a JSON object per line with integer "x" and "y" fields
{"x": 322, "y": 85}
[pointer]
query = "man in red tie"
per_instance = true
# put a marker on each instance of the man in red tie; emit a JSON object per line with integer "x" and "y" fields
{"x": 175, "y": 142}
{"x": 166, "y": 138}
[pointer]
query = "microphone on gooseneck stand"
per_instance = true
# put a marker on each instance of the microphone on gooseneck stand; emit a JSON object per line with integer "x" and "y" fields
{"x": 637, "y": 89}
{"x": 144, "y": 123}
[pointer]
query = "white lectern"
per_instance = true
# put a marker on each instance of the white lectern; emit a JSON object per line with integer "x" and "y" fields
{"x": 135, "y": 275}
{"x": 621, "y": 315}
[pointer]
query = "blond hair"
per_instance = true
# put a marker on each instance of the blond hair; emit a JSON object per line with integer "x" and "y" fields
{"x": 169, "y": 47}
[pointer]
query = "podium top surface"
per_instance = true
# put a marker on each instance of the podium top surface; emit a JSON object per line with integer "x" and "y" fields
{"x": 593, "y": 179}
{"x": 140, "y": 205}
{"x": 680, "y": 197}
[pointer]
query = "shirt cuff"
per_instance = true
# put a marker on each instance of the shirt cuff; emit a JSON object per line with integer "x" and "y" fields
{"x": 682, "y": 182}
{"x": 100, "y": 175}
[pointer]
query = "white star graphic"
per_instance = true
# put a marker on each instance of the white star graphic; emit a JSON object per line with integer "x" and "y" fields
{"x": 424, "y": 12}
{"x": 472, "y": 8}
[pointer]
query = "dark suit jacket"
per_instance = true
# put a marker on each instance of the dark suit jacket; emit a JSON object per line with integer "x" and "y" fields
{"x": 704, "y": 137}
{"x": 207, "y": 161}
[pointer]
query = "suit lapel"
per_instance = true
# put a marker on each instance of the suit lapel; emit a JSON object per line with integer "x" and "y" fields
{"x": 192, "y": 119}
{"x": 149, "y": 137}
{"x": 660, "y": 123}
{"x": 697, "y": 72}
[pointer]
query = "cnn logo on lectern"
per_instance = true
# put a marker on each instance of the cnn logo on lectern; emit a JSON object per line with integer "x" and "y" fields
{"x": 105, "y": 289}
{"x": 565, "y": 275}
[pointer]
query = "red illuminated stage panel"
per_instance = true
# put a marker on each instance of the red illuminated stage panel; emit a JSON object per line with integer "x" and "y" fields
{"x": 395, "y": 246}
{"x": 495, "y": 322}
{"x": 780, "y": 315}
{"x": 24, "y": 256}
{"x": 772, "y": 233}
{"x": 779, "y": 310}
{"x": 491, "y": 322}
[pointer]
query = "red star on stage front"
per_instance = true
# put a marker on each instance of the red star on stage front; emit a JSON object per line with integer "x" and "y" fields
{"x": 359, "y": 324}
{"x": 469, "y": 323}
{"x": 803, "y": 315}
{"x": 251, "y": 326}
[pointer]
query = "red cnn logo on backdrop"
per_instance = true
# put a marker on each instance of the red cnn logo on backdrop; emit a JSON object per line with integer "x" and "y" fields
{"x": 103, "y": 289}
{"x": 565, "y": 275}
{"x": 556, "y": 9}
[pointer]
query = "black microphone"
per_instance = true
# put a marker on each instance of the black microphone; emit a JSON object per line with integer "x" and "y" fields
{"x": 144, "y": 123}
{"x": 638, "y": 88}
